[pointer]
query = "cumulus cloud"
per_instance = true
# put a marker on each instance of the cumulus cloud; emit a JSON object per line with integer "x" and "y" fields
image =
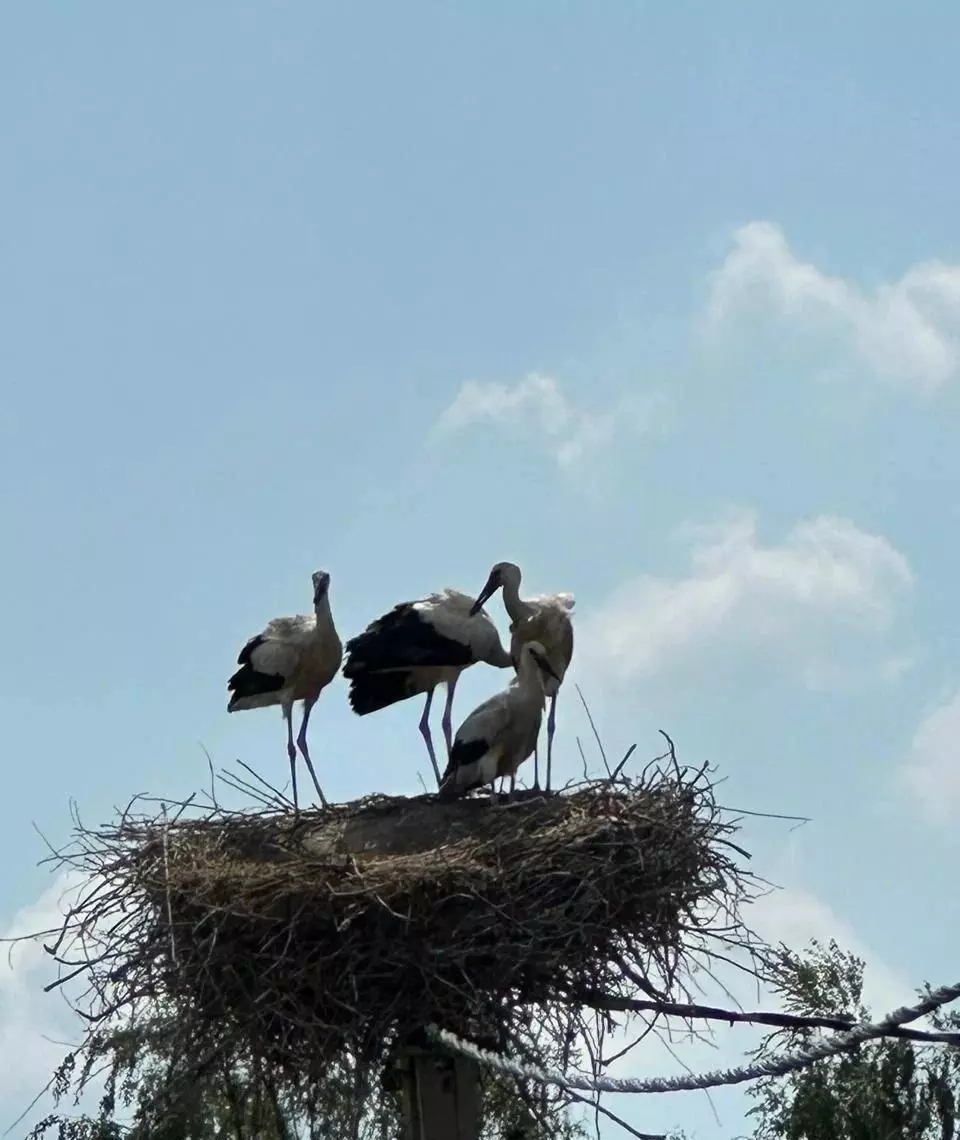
{"x": 537, "y": 408}
{"x": 907, "y": 331}
{"x": 798, "y": 602}
{"x": 931, "y": 771}
{"x": 794, "y": 916}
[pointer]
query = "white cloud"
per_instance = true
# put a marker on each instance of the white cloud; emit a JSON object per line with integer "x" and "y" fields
{"x": 931, "y": 772}
{"x": 826, "y": 586}
{"x": 537, "y": 408}
{"x": 906, "y": 331}
{"x": 33, "y": 1024}
{"x": 794, "y": 916}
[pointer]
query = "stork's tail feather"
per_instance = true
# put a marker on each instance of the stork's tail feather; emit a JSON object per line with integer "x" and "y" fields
{"x": 449, "y": 789}
{"x": 247, "y": 685}
{"x": 370, "y": 692}
{"x": 457, "y": 784}
{"x": 464, "y": 769}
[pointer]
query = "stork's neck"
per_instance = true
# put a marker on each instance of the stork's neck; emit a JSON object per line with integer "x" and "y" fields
{"x": 322, "y": 610}
{"x": 529, "y": 678}
{"x": 515, "y": 606}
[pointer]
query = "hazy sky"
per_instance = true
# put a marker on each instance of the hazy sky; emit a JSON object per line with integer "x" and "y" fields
{"x": 661, "y": 302}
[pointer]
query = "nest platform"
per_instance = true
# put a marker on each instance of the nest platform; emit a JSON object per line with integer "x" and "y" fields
{"x": 290, "y": 942}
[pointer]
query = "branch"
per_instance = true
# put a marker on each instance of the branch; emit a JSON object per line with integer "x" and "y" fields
{"x": 779, "y": 1065}
{"x": 595, "y": 1104}
{"x": 612, "y": 1004}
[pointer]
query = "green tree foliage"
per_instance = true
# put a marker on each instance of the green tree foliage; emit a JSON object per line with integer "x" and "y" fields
{"x": 885, "y": 1090}
{"x": 153, "y": 1092}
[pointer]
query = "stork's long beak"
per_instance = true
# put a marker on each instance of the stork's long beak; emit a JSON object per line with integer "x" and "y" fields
{"x": 545, "y": 666}
{"x": 485, "y": 595}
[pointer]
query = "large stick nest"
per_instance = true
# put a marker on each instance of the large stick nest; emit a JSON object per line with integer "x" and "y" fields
{"x": 293, "y": 944}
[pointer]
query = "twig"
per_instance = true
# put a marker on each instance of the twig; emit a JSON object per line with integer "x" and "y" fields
{"x": 246, "y": 788}
{"x": 81, "y": 969}
{"x": 270, "y": 798}
{"x": 672, "y": 752}
{"x": 583, "y": 759}
{"x": 213, "y": 778}
{"x": 619, "y": 768}
{"x": 274, "y": 792}
{"x": 596, "y": 734}
{"x": 766, "y": 814}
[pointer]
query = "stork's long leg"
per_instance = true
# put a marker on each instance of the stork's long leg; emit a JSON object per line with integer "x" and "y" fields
{"x": 551, "y": 723}
{"x": 291, "y": 752}
{"x": 536, "y": 768}
{"x": 446, "y": 722}
{"x": 425, "y": 733}
{"x": 302, "y": 741}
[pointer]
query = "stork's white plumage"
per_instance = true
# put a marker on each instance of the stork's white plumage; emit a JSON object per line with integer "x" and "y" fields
{"x": 415, "y": 647}
{"x": 293, "y": 659}
{"x": 501, "y": 733}
{"x": 544, "y": 619}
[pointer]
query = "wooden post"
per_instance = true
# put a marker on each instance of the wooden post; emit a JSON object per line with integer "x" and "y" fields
{"x": 441, "y": 1095}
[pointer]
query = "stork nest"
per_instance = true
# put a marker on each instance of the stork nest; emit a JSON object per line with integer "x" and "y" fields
{"x": 291, "y": 944}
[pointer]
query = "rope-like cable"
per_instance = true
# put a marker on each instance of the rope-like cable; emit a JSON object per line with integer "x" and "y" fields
{"x": 774, "y": 1067}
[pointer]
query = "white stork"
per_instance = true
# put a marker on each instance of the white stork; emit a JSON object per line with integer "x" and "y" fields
{"x": 413, "y": 648}
{"x": 293, "y": 659}
{"x": 544, "y": 619}
{"x": 500, "y": 734}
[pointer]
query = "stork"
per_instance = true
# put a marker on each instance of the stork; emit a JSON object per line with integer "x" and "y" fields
{"x": 293, "y": 659}
{"x": 544, "y": 619}
{"x": 413, "y": 648}
{"x": 500, "y": 734}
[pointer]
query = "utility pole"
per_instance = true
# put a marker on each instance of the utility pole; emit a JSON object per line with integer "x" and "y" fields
{"x": 441, "y": 1094}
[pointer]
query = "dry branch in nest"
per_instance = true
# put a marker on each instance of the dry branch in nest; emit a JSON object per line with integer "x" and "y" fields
{"x": 286, "y": 947}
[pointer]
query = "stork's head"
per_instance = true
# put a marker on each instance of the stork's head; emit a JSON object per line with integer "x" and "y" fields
{"x": 539, "y": 655}
{"x": 321, "y": 584}
{"x": 502, "y": 574}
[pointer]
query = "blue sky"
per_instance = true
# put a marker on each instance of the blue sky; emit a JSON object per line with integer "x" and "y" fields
{"x": 660, "y": 302}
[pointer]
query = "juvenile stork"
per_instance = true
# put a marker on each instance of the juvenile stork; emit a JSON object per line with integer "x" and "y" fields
{"x": 544, "y": 619}
{"x": 500, "y": 734}
{"x": 293, "y": 659}
{"x": 413, "y": 648}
